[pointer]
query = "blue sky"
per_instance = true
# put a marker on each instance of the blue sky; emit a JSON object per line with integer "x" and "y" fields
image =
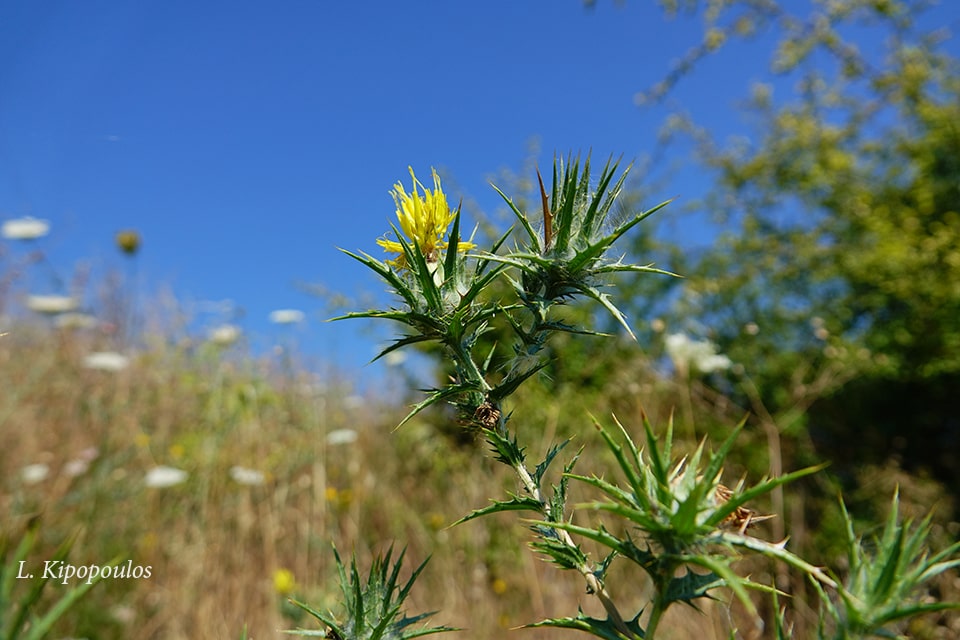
{"x": 246, "y": 141}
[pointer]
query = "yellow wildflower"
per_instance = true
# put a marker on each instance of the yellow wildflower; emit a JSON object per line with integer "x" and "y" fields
{"x": 424, "y": 220}
{"x": 284, "y": 582}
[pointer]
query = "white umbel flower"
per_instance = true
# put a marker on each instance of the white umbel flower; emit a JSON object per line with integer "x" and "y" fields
{"x": 106, "y": 361}
{"x": 163, "y": 476}
{"x": 34, "y": 473}
{"x": 695, "y": 354}
{"x": 24, "y": 229}
{"x": 52, "y": 304}
{"x": 341, "y": 436}
{"x": 225, "y": 334}
{"x": 286, "y": 316}
{"x": 250, "y": 477}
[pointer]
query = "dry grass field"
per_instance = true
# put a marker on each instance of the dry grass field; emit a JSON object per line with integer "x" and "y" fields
{"x": 230, "y": 477}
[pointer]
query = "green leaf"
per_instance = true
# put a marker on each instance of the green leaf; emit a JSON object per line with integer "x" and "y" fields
{"x": 721, "y": 568}
{"x": 606, "y": 629}
{"x": 319, "y": 615}
{"x": 387, "y": 273}
{"x": 516, "y": 503}
{"x": 510, "y": 383}
{"x": 543, "y": 466}
{"x": 450, "y": 262}
{"x": 506, "y": 448}
{"x": 596, "y": 250}
{"x": 437, "y": 395}
{"x": 39, "y": 628}
{"x": 560, "y": 552}
{"x": 533, "y": 236}
{"x": 691, "y": 586}
{"x": 558, "y": 503}
{"x": 629, "y": 468}
{"x": 595, "y": 215}
{"x": 624, "y": 547}
{"x": 660, "y": 459}
{"x": 889, "y": 559}
{"x": 604, "y": 300}
{"x": 777, "y": 551}
{"x": 402, "y": 342}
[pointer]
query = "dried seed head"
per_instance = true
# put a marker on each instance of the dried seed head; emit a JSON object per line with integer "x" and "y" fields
{"x": 487, "y": 415}
{"x": 742, "y": 518}
{"x": 128, "y": 241}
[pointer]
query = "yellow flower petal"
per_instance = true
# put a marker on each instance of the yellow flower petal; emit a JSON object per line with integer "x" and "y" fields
{"x": 424, "y": 217}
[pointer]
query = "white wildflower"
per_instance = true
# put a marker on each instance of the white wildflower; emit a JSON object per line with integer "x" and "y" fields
{"x": 695, "y": 354}
{"x": 81, "y": 463}
{"x": 286, "y": 316}
{"x": 75, "y": 468}
{"x": 25, "y": 229}
{"x": 711, "y": 363}
{"x": 341, "y": 436}
{"x": 163, "y": 476}
{"x": 225, "y": 334}
{"x": 34, "y": 473}
{"x": 106, "y": 361}
{"x": 52, "y": 304}
{"x": 246, "y": 476}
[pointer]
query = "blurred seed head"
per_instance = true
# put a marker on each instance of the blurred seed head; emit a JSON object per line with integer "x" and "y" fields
{"x": 128, "y": 241}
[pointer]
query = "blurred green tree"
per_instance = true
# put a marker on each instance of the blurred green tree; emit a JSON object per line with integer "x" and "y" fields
{"x": 836, "y": 283}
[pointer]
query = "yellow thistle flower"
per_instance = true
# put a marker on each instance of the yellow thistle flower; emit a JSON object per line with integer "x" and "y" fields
{"x": 424, "y": 220}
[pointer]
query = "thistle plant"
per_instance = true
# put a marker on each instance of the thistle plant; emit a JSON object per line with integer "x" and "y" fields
{"x": 372, "y": 609}
{"x": 886, "y": 576}
{"x": 678, "y": 523}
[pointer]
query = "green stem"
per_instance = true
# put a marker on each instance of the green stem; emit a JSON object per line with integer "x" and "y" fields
{"x": 537, "y": 336}
{"x": 594, "y": 585}
{"x": 655, "y": 614}
{"x": 468, "y": 367}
